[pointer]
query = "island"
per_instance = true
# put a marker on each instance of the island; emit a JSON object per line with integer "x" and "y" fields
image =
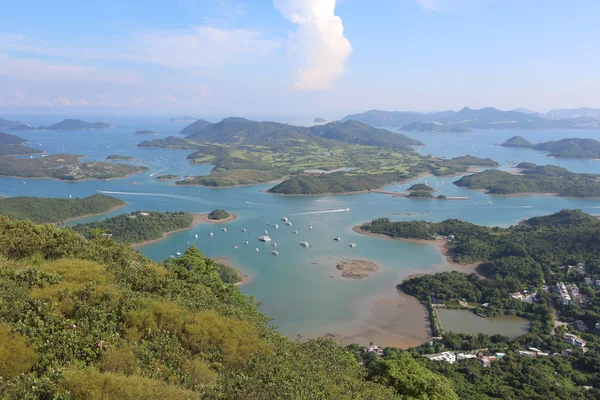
{"x": 195, "y": 127}
{"x": 166, "y": 177}
{"x": 564, "y": 148}
{"x": 66, "y": 167}
{"x": 420, "y": 194}
{"x": 420, "y": 187}
{"x": 319, "y": 120}
{"x": 12, "y": 145}
{"x": 118, "y": 157}
{"x": 547, "y": 179}
{"x": 43, "y": 210}
{"x": 77, "y": 125}
{"x": 219, "y": 215}
{"x": 7, "y": 138}
{"x": 183, "y": 119}
{"x": 434, "y": 127}
{"x": 138, "y": 227}
{"x": 356, "y": 269}
{"x": 144, "y": 132}
{"x": 16, "y": 125}
{"x": 475, "y": 161}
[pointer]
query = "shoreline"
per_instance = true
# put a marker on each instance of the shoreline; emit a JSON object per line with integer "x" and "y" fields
{"x": 226, "y": 261}
{"x": 96, "y": 214}
{"x": 77, "y": 180}
{"x": 197, "y": 219}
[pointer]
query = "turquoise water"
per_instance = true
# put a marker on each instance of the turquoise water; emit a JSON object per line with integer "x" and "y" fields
{"x": 301, "y": 288}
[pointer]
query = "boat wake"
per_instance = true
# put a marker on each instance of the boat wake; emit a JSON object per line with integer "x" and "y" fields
{"x": 158, "y": 172}
{"x": 167, "y": 195}
{"x": 258, "y": 204}
{"x": 323, "y": 212}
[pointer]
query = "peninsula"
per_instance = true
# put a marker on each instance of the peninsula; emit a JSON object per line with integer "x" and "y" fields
{"x": 564, "y": 148}
{"x": 12, "y": 145}
{"x": 77, "y": 125}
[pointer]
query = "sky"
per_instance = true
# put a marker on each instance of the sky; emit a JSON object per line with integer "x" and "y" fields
{"x": 296, "y": 57}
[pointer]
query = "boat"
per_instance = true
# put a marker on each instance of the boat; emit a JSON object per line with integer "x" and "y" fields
{"x": 235, "y": 246}
{"x": 178, "y": 254}
{"x": 276, "y": 226}
{"x": 196, "y": 236}
{"x": 274, "y": 244}
{"x": 266, "y": 232}
{"x": 311, "y": 227}
{"x": 288, "y": 223}
{"x": 352, "y": 244}
{"x": 211, "y": 234}
{"x": 337, "y": 238}
{"x": 224, "y": 229}
{"x": 243, "y": 229}
{"x": 187, "y": 242}
{"x": 245, "y": 242}
{"x": 284, "y": 219}
{"x": 275, "y": 253}
{"x": 264, "y": 238}
{"x": 304, "y": 244}
{"x": 295, "y": 231}
{"x": 256, "y": 250}
{"x": 171, "y": 256}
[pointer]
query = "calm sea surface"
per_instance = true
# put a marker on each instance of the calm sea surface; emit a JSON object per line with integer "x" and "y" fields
{"x": 301, "y": 288}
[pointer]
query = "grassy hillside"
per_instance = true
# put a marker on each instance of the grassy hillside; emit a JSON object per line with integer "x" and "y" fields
{"x": 50, "y": 210}
{"x": 17, "y": 150}
{"x": 7, "y": 138}
{"x": 94, "y": 319}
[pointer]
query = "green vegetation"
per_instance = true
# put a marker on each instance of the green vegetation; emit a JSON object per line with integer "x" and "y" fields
{"x": 118, "y": 157}
{"x": 195, "y": 127}
{"x": 48, "y": 210}
{"x": 171, "y": 142}
{"x": 7, "y": 138}
{"x": 333, "y": 183}
{"x": 145, "y": 132}
{"x": 77, "y": 125}
{"x": 434, "y": 127}
{"x": 95, "y": 319}
{"x": 167, "y": 177}
{"x": 475, "y": 161}
{"x": 420, "y": 187}
{"x": 234, "y": 178}
{"x": 534, "y": 179}
{"x": 64, "y": 167}
{"x": 517, "y": 141}
{"x": 218, "y": 215}
{"x": 17, "y": 150}
{"x": 137, "y": 227}
{"x": 421, "y": 194}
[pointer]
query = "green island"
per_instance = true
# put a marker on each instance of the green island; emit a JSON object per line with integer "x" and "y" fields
{"x": 92, "y": 318}
{"x": 525, "y": 268}
{"x": 67, "y": 167}
{"x": 421, "y": 194}
{"x": 195, "y": 126}
{"x": 534, "y": 179}
{"x": 420, "y": 187}
{"x": 166, "y": 177}
{"x": 42, "y": 210}
{"x": 144, "y": 132}
{"x": 475, "y": 161}
{"x": 565, "y": 148}
{"x": 218, "y": 215}
{"x": 12, "y": 145}
{"x": 138, "y": 227}
{"x": 434, "y": 127}
{"x": 118, "y": 157}
{"x": 77, "y": 125}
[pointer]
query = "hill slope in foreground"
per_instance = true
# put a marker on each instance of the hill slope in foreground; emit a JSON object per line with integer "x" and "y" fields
{"x": 91, "y": 319}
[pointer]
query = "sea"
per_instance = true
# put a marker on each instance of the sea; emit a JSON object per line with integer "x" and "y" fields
{"x": 301, "y": 289}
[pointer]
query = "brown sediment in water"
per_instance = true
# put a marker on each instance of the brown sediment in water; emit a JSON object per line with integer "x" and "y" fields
{"x": 356, "y": 269}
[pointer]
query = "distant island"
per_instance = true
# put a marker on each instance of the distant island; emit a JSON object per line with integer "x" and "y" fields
{"x": 564, "y": 148}
{"x": 434, "y": 127}
{"x": 218, "y": 215}
{"x": 77, "y": 125}
{"x": 139, "y": 226}
{"x": 475, "y": 161}
{"x": 6, "y": 124}
{"x": 517, "y": 141}
{"x": 548, "y": 179}
{"x": 41, "y": 210}
{"x": 118, "y": 157}
{"x": 183, "y": 119}
{"x": 12, "y": 145}
{"x": 167, "y": 177}
{"x": 485, "y": 118}
{"x": 144, "y": 132}
{"x": 420, "y": 187}
{"x": 195, "y": 127}
{"x": 67, "y": 167}
{"x": 319, "y": 120}
{"x": 421, "y": 194}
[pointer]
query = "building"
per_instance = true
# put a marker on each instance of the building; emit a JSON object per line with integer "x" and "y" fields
{"x": 579, "y": 326}
{"x": 375, "y": 349}
{"x": 446, "y": 356}
{"x": 462, "y": 356}
{"x": 486, "y": 361}
{"x": 588, "y": 281}
{"x": 574, "y": 292}
{"x": 597, "y": 283}
{"x": 562, "y": 291}
{"x": 499, "y": 355}
{"x": 526, "y": 353}
{"x": 575, "y": 341}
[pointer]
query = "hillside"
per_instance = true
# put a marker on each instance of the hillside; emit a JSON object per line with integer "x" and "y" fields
{"x": 474, "y": 161}
{"x": 50, "y": 210}
{"x": 355, "y": 132}
{"x": 517, "y": 141}
{"x": 564, "y": 218}
{"x": 77, "y": 125}
{"x": 17, "y": 150}
{"x": 7, "y": 138}
{"x": 6, "y": 124}
{"x": 319, "y": 120}
{"x": 571, "y": 148}
{"x": 195, "y": 127}
{"x": 434, "y": 127}
{"x": 118, "y": 325}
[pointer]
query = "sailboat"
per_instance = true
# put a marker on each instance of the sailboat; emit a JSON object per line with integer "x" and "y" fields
{"x": 178, "y": 254}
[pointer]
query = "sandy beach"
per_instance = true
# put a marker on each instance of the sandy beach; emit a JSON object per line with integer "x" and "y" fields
{"x": 197, "y": 219}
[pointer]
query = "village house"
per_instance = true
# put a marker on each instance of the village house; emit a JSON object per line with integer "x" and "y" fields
{"x": 561, "y": 288}
{"x": 573, "y": 340}
{"x": 486, "y": 361}
{"x": 446, "y": 356}
{"x": 375, "y": 349}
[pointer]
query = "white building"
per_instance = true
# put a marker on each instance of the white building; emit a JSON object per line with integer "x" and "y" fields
{"x": 446, "y": 356}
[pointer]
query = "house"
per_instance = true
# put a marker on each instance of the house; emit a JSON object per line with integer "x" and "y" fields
{"x": 446, "y": 356}
{"x": 486, "y": 361}
{"x": 566, "y": 352}
{"x": 437, "y": 300}
{"x": 597, "y": 327}
{"x": 575, "y": 341}
{"x": 597, "y": 283}
{"x": 375, "y": 349}
{"x": 462, "y": 356}
{"x": 561, "y": 289}
{"x": 574, "y": 292}
{"x": 542, "y": 354}
{"x": 526, "y": 353}
{"x": 536, "y": 350}
{"x": 144, "y": 214}
{"x": 499, "y": 355}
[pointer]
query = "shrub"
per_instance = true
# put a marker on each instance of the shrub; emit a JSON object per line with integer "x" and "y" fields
{"x": 16, "y": 357}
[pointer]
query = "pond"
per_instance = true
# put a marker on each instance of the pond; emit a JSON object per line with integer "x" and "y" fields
{"x": 464, "y": 321}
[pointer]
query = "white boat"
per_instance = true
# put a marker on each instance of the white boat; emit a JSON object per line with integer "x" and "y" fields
{"x": 295, "y": 231}
{"x": 352, "y": 244}
{"x": 171, "y": 256}
{"x": 264, "y": 238}
{"x": 276, "y": 226}
{"x": 245, "y": 242}
{"x": 275, "y": 253}
{"x": 311, "y": 228}
{"x": 304, "y": 244}
{"x": 211, "y": 234}
{"x": 187, "y": 242}
{"x": 288, "y": 223}
{"x": 235, "y": 246}
{"x": 274, "y": 244}
{"x": 243, "y": 229}
{"x": 337, "y": 238}
{"x": 178, "y": 254}
{"x": 256, "y": 250}
{"x": 224, "y": 229}
{"x": 284, "y": 219}
{"x": 196, "y": 236}
{"x": 266, "y": 232}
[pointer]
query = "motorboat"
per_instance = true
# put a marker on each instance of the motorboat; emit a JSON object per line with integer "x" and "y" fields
{"x": 353, "y": 245}
{"x": 235, "y": 246}
{"x": 196, "y": 236}
{"x": 337, "y": 238}
{"x": 245, "y": 242}
{"x": 224, "y": 229}
{"x": 243, "y": 229}
{"x": 266, "y": 232}
{"x": 304, "y": 244}
{"x": 211, "y": 234}
{"x": 295, "y": 231}
{"x": 284, "y": 219}
{"x": 288, "y": 223}
{"x": 276, "y": 226}
{"x": 274, "y": 244}
{"x": 256, "y": 250}
{"x": 275, "y": 253}
{"x": 264, "y": 238}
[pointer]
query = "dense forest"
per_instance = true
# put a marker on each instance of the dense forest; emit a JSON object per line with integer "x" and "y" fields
{"x": 217, "y": 215}
{"x": 137, "y": 227}
{"x": 337, "y": 182}
{"x": 534, "y": 179}
{"x": 93, "y": 319}
{"x": 52, "y": 210}
{"x": 567, "y": 148}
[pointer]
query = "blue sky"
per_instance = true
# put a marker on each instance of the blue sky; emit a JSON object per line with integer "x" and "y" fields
{"x": 296, "y": 57}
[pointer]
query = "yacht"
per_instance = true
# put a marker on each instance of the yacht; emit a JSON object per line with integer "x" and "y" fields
{"x": 275, "y": 253}
{"x": 337, "y": 238}
{"x": 264, "y": 238}
{"x": 196, "y": 236}
{"x": 295, "y": 231}
{"x": 352, "y": 244}
{"x": 288, "y": 223}
{"x": 274, "y": 244}
{"x": 304, "y": 244}
{"x": 276, "y": 226}
{"x": 256, "y": 250}
{"x": 266, "y": 232}
{"x": 224, "y": 229}
{"x": 178, "y": 253}
{"x": 235, "y": 246}
{"x": 211, "y": 234}
{"x": 243, "y": 229}
{"x": 284, "y": 219}
{"x": 245, "y": 242}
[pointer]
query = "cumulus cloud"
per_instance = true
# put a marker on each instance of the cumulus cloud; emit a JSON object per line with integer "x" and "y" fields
{"x": 319, "y": 46}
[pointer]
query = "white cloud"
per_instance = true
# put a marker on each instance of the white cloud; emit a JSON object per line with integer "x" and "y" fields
{"x": 138, "y": 99}
{"x": 319, "y": 46}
